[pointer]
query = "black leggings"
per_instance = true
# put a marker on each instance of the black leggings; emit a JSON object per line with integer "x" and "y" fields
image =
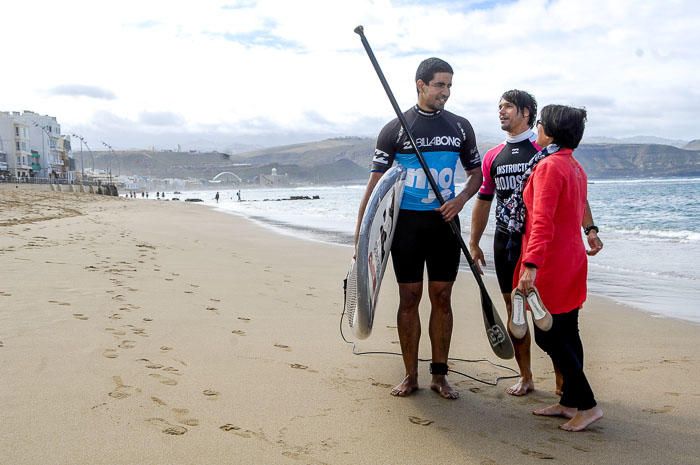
{"x": 563, "y": 344}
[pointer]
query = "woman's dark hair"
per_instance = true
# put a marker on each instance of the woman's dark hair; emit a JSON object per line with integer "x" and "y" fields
{"x": 564, "y": 124}
{"x": 428, "y": 67}
{"x": 522, "y": 100}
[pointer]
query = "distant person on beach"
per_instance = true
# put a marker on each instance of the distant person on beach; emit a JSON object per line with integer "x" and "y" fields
{"x": 502, "y": 169}
{"x": 217, "y": 197}
{"x": 423, "y": 236}
{"x": 554, "y": 258}
{"x": 239, "y": 195}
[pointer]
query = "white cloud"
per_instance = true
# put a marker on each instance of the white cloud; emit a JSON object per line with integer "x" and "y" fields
{"x": 241, "y": 68}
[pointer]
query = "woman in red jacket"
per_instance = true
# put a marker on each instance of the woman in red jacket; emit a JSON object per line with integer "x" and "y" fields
{"x": 554, "y": 259}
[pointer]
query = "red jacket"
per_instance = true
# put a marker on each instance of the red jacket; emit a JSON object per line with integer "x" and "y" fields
{"x": 555, "y": 198}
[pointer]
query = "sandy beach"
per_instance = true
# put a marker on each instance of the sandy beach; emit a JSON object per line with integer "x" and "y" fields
{"x": 153, "y": 332}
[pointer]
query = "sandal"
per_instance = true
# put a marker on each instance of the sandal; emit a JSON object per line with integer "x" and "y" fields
{"x": 517, "y": 324}
{"x": 540, "y": 315}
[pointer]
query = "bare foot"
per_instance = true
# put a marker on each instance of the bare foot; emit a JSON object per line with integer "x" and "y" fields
{"x": 407, "y": 387}
{"x": 582, "y": 419}
{"x": 521, "y": 388}
{"x": 556, "y": 410}
{"x": 442, "y": 387}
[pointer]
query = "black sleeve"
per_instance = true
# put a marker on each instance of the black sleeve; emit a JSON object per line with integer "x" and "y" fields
{"x": 385, "y": 150}
{"x": 469, "y": 152}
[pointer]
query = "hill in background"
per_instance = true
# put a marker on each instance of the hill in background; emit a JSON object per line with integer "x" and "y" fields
{"x": 347, "y": 159}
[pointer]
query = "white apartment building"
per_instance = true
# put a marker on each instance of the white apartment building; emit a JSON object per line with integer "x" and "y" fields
{"x": 33, "y": 146}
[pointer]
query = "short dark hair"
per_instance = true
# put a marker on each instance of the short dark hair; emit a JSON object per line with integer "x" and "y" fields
{"x": 522, "y": 100}
{"x": 564, "y": 124}
{"x": 428, "y": 67}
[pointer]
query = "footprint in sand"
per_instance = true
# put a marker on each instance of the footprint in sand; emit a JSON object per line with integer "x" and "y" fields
{"x": 2, "y": 344}
{"x": 243, "y": 318}
{"x": 80, "y": 316}
{"x": 181, "y": 415}
{"x": 122, "y": 391}
{"x": 148, "y": 319}
{"x": 210, "y": 393}
{"x": 378, "y": 384}
{"x": 238, "y": 332}
{"x": 282, "y": 346}
{"x": 420, "y": 421}
{"x": 664, "y": 409}
{"x": 215, "y": 300}
{"x": 166, "y": 427}
{"x": 126, "y": 344}
{"x": 298, "y": 366}
{"x": 110, "y": 353}
{"x": 163, "y": 379}
{"x": 165, "y": 348}
{"x": 238, "y": 431}
{"x": 158, "y": 401}
{"x": 189, "y": 292}
{"x": 139, "y": 332}
{"x": 536, "y": 454}
{"x": 213, "y": 310}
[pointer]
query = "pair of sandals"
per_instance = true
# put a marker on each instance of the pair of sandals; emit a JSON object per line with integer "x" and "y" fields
{"x": 540, "y": 315}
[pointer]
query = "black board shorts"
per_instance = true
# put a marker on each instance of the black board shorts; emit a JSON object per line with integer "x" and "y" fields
{"x": 423, "y": 238}
{"x": 504, "y": 260}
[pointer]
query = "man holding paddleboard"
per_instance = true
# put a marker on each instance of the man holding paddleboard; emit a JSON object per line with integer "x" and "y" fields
{"x": 503, "y": 168}
{"x": 423, "y": 238}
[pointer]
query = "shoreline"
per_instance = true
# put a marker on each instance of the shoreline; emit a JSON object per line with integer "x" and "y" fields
{"x": 160, "y": 332}
{"x": 341, "y": 239}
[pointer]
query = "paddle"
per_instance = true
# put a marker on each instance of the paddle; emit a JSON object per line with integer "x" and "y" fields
{"x": 495, "y": 330}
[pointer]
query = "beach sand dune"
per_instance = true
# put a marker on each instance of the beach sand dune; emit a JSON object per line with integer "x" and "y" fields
{"x": 162, "y": 332}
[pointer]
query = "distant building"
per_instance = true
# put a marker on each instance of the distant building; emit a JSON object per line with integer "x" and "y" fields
{"x": 273, "y": 179}
{"x": 33, "y": 145}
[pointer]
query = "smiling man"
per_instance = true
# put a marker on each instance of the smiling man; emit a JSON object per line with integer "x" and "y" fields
{"x": 423, "y": 238}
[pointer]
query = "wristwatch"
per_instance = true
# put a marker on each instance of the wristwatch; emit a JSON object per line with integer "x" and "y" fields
{"x": 590, "y": 228}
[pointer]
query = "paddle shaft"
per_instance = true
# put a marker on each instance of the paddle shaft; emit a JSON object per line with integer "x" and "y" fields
{"x": 490, "y": 317}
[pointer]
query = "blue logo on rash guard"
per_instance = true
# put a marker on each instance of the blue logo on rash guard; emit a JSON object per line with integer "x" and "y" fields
{"x": 417, "y": 194}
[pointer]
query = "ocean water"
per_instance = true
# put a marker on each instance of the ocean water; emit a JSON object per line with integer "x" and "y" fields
{"x": 650, "y": 229}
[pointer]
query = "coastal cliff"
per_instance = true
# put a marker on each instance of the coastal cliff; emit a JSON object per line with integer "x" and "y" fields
{"x": 347, "y": 159}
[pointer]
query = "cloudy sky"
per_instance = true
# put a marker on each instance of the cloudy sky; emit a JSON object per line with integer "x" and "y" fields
{"x": 153, "y": 72}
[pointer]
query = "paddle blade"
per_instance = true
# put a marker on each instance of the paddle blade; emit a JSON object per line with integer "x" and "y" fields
{"x": 495, "y": 330}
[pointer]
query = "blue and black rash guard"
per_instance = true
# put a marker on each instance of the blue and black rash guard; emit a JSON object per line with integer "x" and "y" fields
{"x": 443, "y": 138}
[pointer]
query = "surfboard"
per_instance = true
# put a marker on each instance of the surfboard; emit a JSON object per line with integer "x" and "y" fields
{"x": 373, "y": 246}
